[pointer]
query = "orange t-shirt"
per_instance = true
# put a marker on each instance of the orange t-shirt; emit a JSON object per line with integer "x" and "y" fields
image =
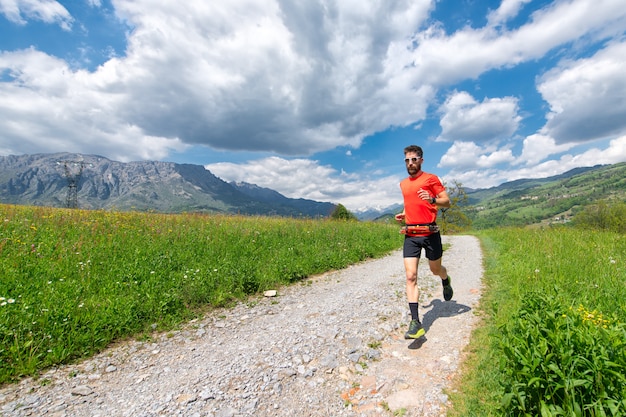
{"x": 416, "y": 210}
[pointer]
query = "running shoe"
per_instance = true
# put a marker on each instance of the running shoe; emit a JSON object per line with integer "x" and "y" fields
{"x": 415, "y": 330}
{"x": 447, "y": 290}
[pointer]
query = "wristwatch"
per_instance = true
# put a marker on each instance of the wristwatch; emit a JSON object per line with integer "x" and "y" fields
{"x": 433, "y": 200}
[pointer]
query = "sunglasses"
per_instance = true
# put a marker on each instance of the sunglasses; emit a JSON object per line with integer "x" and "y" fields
{"x": 414, "y": 160}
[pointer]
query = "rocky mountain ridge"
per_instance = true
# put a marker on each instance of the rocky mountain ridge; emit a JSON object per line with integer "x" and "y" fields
{"x": 95, "y": 182}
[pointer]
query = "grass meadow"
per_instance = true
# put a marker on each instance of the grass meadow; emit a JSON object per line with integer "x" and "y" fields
{"x": 553, "y": 336}
{"x": 552, "y": 339}
{"x": 73, "y": 281}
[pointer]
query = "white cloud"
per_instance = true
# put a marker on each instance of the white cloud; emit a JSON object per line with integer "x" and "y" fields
{"x": 467, "y": 120}
{"x": 276, "y": 76}
{"x": 303, "y": 178}
{"x": 48, "y": 11}
{"x": 485, "y": 178}
{"x": 507, "y": 10}
{"x": 586, "y": 96}
{"x": 294, "y": 78}
{"x": 467, "y": 155}
{"x": 45, "y": 110}
{"x": 538, "y": 147}
{"x": 438, "y": 59}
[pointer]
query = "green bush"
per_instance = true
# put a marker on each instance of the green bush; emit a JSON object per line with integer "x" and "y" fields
{"x": 603, "y": 216}
{"x": 563, "y": 361}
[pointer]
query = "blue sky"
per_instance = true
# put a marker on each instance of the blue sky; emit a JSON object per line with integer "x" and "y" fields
{"x": 316, "y": 99}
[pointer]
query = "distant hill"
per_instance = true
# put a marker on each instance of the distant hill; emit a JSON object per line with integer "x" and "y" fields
{"x": 534, "y": 200}
{"x": 478, "y": 195}
{"x": 95, "y": 182}
{"x": 274, "y": 198}
{"x": 378, "y": 214}
{"x": 546, "y": 200}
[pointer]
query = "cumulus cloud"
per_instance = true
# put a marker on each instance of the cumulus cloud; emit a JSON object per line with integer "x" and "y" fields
{"x": 296, "y": 78}
{"x": 485, "y": 178}
{"x": 439, "y": 59}
{"x": 304, "y": 178}
{"x": 538, "y": 147}
{"x": 44, "y": 110}
{"x": 277, "y": 76}
{"x": 48, "y": 11}
{"x": 257, "y": 75}
{"x": 586, "y": 96}
{"x": 269, "y": 76}
{"x": 507, "y": 10}
{"x": 466, "y": 155}
{"x": 466, "y": 119}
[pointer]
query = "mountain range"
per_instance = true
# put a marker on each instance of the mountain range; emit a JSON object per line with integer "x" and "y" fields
{"x": 95, "y": 182}
{"x": 542, "y": 201}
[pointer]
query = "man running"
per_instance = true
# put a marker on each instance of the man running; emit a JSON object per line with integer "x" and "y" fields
{"x": 423, "y": 195}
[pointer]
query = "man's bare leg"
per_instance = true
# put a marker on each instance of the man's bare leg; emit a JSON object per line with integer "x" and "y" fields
{"x": 438, "y": 269}
{"x": 412, "y": 294}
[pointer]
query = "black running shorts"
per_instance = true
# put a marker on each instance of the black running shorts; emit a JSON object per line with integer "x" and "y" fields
{"x": 432, "y": 245}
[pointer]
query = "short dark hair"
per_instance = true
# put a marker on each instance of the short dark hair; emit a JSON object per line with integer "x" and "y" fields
{"x": 414, "y": 148}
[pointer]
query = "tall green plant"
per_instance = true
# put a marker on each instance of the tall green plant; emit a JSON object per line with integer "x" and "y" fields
{"x": 453, "y": 219}
{"x": 342, "y": 213}
{"x": 548, "y": 295}
{"x": 603, "y": 216}
{"x": 563, "y": 361}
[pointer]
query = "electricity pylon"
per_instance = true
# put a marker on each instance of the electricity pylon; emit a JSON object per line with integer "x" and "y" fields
{"x": 73, "y": 177}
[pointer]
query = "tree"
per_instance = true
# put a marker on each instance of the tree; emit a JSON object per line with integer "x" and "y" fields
{"x": 453, "y": 219}
{"x": 603, "y": 216}
{"x": 342, "y": 213}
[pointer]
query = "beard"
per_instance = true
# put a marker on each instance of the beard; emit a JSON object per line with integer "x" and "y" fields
{"x": 413, "y": 169}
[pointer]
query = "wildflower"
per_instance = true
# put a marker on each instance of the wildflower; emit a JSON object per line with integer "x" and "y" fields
{"x": 10, "y": 301}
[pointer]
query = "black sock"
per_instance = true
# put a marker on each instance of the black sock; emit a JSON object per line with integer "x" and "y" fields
{"x": 445, "y": 282}
{"x": 414, "y": 313}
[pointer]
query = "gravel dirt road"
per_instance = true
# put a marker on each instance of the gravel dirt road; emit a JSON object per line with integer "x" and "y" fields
{"x": 330, "y": 346}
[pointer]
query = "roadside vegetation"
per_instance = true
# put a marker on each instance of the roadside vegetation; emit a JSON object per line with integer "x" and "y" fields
{"x": 553, "y": 336}
{"x": 552, "y": 339}
{"x": 73, "y": 281}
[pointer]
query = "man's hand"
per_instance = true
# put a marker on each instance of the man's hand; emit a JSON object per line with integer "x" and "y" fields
{"x": 424, "y": 195}
{"x": 399, "y": 217}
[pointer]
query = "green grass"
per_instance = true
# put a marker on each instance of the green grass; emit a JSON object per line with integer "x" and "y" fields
{"x": 73, "y": 281}
{"x": 553, "y": 336}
